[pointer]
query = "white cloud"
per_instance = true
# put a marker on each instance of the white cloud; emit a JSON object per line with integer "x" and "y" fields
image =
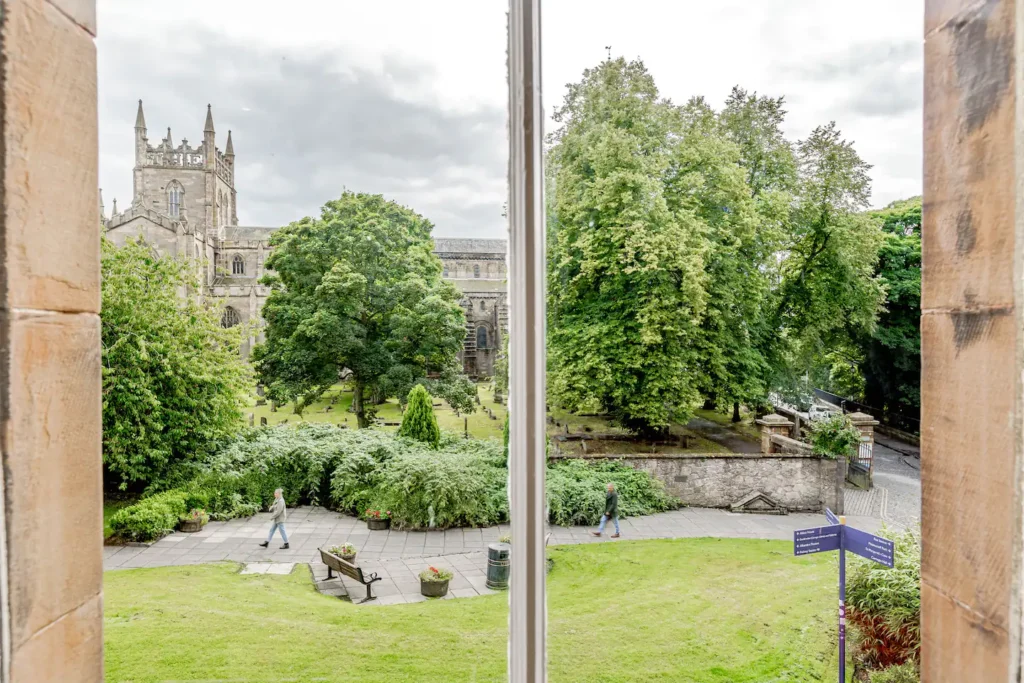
{"x": 412, "y": 94}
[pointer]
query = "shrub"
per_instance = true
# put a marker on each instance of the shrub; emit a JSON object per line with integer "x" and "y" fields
{"x": 835, "y": 437}
{"x": 298, "y": 460}
{"x": 885, "y": 604}
{"x": 418, "y": 421}
{"x": 433, "y": 574}
{"x": 424, "y": 488}
{"x": 462, "y": 483}
{"x": 151, "y": 517}
{"x": 901, "y": 673}
{"x": 576, "y": 491}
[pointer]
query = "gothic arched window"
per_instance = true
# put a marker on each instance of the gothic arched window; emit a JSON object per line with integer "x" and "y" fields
{"x": 476, "y": 270}
{"x": 237, "y": 265}
{"x": 483, "y": 305}
{"x": 230, "y": 318}
{"x": 481, "y": 337}
{"x": 175, "y": 197}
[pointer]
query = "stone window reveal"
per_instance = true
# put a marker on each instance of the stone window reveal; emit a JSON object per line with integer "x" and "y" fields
{"x": 481, "y": 337}
{"x": 175, "y": 193}
{"x": 230, "y": 317}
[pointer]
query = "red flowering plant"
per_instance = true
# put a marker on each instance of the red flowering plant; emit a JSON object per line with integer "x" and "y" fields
{"x": 433, "y": 574}
{"x": 378, "y": 514}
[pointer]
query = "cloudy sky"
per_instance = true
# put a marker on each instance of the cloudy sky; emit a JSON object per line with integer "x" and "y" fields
{"x": 407, "y": 98}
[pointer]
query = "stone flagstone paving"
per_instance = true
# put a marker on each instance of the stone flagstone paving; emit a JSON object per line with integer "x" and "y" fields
{"x": 399, "y": 556}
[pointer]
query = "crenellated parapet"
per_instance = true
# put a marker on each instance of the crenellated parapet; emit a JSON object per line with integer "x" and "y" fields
{"x": 166, "y": 155}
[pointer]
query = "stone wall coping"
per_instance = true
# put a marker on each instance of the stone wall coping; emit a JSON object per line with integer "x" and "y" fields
{"x": 774, "y": 420}
{"x": 692, "y": 456}
{"x": 862, "y": 419}
{"x": 790, "y": 442}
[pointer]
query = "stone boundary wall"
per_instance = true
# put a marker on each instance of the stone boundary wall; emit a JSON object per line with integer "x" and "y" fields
{"x": 795, "y": 481}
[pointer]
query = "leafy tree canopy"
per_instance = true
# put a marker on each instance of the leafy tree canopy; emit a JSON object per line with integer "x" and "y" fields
{"x": 359, "y": 288}
{"x": 174, "y": 383}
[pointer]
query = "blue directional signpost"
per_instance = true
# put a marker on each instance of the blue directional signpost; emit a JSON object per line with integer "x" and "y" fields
{"x": 838, "y": 536}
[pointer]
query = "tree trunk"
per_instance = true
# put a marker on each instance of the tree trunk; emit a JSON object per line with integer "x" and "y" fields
{"x": 736, "y": 411}
{"x": 357, "y": 405}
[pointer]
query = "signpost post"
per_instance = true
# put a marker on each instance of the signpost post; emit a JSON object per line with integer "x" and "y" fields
{"x": 838, "y": 536}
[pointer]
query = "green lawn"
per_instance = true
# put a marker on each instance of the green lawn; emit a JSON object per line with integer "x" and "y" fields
{"x": 481, "y": 426}
{"x": 479, "y": 423}
{"x": 696, "y": 610}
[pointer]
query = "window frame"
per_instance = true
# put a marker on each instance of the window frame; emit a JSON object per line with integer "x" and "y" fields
{"x": 175, "y": 197}
{"x": 237, "y": 260}
{"x": 527, "y": 389}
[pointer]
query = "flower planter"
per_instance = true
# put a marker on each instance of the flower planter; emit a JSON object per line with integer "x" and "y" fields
{"x": 192, "y": 525}
{"x": 377, "y": 524}
{"x": 331, "y": 560}
{"x": 434, "y": 589}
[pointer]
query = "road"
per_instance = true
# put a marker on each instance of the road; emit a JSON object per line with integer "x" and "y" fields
{"x": 896, "y": 496}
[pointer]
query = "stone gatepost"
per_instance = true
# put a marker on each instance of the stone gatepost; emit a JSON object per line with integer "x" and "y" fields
{"x": 773, "y": 424}
{"x": 866, "y": 424}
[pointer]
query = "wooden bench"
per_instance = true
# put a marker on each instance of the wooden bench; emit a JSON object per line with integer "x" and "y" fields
{"x": 351, "y": 571}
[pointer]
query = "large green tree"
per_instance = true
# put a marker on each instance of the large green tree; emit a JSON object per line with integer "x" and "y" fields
{"x": 892, "y": 353}
{"x": 707, "y": 178}
{"x": 174, "y": 383}
{"x": 626, "y": 268}
{"x": 358, "y": 288}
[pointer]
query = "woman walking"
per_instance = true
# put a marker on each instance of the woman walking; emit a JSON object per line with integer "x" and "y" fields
{"x": 277, "y": 516}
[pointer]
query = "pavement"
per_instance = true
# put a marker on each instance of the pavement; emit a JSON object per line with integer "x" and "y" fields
{"x": 895, "y": 498}
{"x": 398, "y": 556}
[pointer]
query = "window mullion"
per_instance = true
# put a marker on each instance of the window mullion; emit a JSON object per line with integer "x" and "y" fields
{"x": 527, "y": 392}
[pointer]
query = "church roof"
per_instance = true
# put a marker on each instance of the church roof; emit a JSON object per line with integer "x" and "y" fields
{"x": 247, "y": 233}
{"x": 444, "y": 245}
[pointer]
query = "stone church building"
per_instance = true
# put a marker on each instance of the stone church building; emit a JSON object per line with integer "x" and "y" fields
{"x": 184, "y": 204}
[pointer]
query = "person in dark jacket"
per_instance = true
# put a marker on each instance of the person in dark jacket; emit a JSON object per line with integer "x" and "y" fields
{"x": 611, "y": 510}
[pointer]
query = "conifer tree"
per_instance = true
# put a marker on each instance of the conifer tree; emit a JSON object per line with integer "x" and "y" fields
{"x": 419, "y": 422}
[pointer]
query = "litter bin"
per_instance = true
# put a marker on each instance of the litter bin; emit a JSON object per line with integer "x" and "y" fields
{"x": 498, "y": 566}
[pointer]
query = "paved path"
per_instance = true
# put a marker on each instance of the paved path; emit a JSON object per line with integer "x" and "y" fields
{"x": 399, "y": 556}
{"x": 896, "y": 496}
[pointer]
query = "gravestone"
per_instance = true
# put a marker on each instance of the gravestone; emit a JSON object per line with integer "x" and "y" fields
{"x": 261, "y": 401}
{"x": 260, "y": 390}
{"x": 263, "y": 422}
{"x": 252, "y": 419}
{"x": 284, "y": 421}
{"x": 273, "y": 406}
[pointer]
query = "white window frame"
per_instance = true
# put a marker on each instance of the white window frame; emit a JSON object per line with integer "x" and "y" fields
{"x": 527, "y": 390}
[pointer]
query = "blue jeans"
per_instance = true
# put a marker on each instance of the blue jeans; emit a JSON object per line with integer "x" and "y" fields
{"x": 280, "y": 525}
{"x": 604, "y": 520}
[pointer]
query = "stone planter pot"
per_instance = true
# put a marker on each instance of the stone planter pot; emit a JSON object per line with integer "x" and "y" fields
{"x": 192, "y": 525}
{"x": 434, "y": 589}
{"x": 378, "y": 524}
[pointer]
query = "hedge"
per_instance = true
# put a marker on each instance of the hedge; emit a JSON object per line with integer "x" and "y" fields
{"x": 461, "y": 483}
